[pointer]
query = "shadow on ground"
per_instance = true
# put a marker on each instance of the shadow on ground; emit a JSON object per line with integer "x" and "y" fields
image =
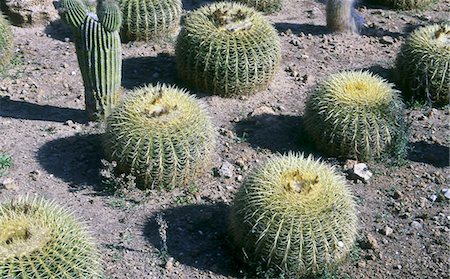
{"x": 278, "y": 133}
{"x": 297, "y": 28}
{"x": 140, "y": 71}
{"x": 196, "y": 236}
{"x": 58, "y": 30}
{"x": 75, "y": 159}
{"x": 430, "y": 153}
{"x": 30, "y": 111}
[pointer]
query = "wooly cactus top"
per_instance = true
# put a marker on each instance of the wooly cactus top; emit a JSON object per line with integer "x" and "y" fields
{"x": 423, "y": 64}
{"x": 162, "y": 135}
{"x": 39, "y": 239}
{"x": 295, "y": 214}
{"x": 6, "y": 42}
{"x": 358, "y": 115}
{"x": 227, "y": 49}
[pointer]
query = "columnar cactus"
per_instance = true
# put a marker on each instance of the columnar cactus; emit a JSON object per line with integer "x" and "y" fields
{"x": 357, "y": 115}
{"x": 39, "y": 239}
{"x": 6, "y": 42}
{"x": 296, "y": 215}
{"x": 146, "y": 20}
{"x": 227, "y": 49}
{"x": 265, "y": 6}
{"x": 342, "y": 16}
{"x": 423, "y": 64}
{"x": 161, "y": 135}
{"x": 99, "y": 52}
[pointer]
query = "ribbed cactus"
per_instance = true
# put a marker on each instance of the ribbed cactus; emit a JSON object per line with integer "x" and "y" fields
{"x": 160, "y": 134}
{"x": 296, "y": 215}
{"x": 146, "y": 20}
{"x": 99, "y": 52}
{"x": 227, "y": 49}
{"x": 357, "y": 115}
{"x": 6, "y": 42}
{"x": 39, "y": 239}
{"x": 265, "y": 6}
{"x": 423, "y": 64}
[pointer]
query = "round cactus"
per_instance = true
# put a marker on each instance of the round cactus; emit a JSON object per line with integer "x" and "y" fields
{"x": 39, "y": 239}
{"x": 265, "y": 6}
{"x": 423, "y": 64}
{"x": 357, "y": 115}
{"x": 295, "y": 214}
{"x": 161, "y": 135}
{"x": 227, "y": 49}
{"x": 146, "y": 20}
{"x": 6, "y": 42}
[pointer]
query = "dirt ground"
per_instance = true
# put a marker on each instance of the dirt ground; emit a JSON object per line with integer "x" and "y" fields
{"x": 403, "y": 228}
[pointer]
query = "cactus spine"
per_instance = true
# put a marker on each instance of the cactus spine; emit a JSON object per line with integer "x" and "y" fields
{"x": 227, "y": 49}
{"x": 161, "y": 135}
{"x": 423, "y": 64}
{"x": 6, "y": 42}
{"x": 39, "y": 239}
{"x": 265, "y": 6}
{"x": 342, "y": 16}
{"x": 99, "y": 52}
{"x": 295, "y": 214}
{"x": 146, "y": 20}
{"x": 356, "y": 114}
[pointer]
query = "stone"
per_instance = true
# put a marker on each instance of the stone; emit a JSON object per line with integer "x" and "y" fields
{"x": 226, "y": 170}
{"x": 9, "y": 184}
{"x": 416, "y": 225}
{"x": 169, "y": 264}
{"x": 360, "y": 171}
{"x": 369, "y": 242}
{"x": 30, "y": 12}
{"x": 387, "y": 231}
{"x": 387, "y": 40}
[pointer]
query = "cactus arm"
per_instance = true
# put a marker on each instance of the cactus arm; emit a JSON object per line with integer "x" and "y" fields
{"x": 109, "y": 15}
{"x": 73, "y": 12}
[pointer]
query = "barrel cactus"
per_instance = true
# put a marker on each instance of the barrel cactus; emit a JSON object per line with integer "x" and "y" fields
{"x": 6, "y": 42}
{"x": 227, "y": 49}
{"x": 265, "y": 6}
{"x": 146, "y": 20}
{"x": 294, "y": 214}
{"x": 423, "y": 64}
{"x": 161, "y": 135}
{"x": 99, "y": 52}
{"x": 39, "y": 239}
{"x": 358, "y": 115}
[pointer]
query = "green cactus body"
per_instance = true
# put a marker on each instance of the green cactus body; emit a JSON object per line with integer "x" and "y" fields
{"x": 423, "y": 64}
{"x": 296, "y": 215}
{"x": 99, "y": 53}
{"x": 146, "y": 20}
{"x": 227, "y": 49}
{"x": 39, "y": 239}
{"x": 6, "y": 42}
{"x": 162, "y": 135}
{"x": 265, "y": 6}
{"x": 357, "y": 115}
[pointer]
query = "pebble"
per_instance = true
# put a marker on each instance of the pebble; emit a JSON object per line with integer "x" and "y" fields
{"x": 387, "y": 40}
{"x": 226, "y": 170}
{"x": 361, "y": 264}
{"x": 9, "y": 184}
{"x": 416, "y": 225}
{"x": 360, "y": 171}
{"x": 446, "y": 193}
{"x": 35, "y": 175}
{"x": 387, "y": 231}
{"x": 169, "y": 264}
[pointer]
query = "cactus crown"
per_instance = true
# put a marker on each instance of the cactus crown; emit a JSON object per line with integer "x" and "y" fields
{"x": 296, "y": 214}
{"x": 41, "y": 240}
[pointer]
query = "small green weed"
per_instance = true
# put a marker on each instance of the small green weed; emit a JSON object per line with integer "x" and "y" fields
{"x": 5, "y": 163}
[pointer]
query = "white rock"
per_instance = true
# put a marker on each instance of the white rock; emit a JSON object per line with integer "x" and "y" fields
{"x": 8, "y": 184}
{"x": 360, "y": 171}
{"x": 226, "y": 170}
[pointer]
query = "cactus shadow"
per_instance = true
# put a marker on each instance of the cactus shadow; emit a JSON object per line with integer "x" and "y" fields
{"x": 430, "y": 153}
{"x": 30, "y": 111}
{"x": 58, "y": 30}
{"x": 140, "y": 71}
{"x": 189, "y": 5}
{"x": 197, "y": 236}
{"x": 278, "y": 133}
{"x": 74, "y": 159}
{"x": 297, "y": 28}
{"x": 384, "y": 72}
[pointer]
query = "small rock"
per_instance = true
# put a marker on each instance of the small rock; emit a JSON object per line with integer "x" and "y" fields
{"x": 361, "y": 264}
{"x": 433, "y": 198}
{"x": 360, "y": 171}
{"x": 239, "y": 178}
{"x": 9, "y": 184}
{"x": 35, "y": 175}
{"x": 397, "y": 195}
{"x": 169, "y": 264}
{"x": 349, "y": 164}
{"x": 387, "y": 40}
{"x": 416, "y": 225}
{"x": 240, "y": 163}
{"x": 226, "y": 170}
{"x": 446, "y": 193}
{"x": 398, "y": 266}
{"x": 369, "y": 243}
{"x": 387, "y": 231}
